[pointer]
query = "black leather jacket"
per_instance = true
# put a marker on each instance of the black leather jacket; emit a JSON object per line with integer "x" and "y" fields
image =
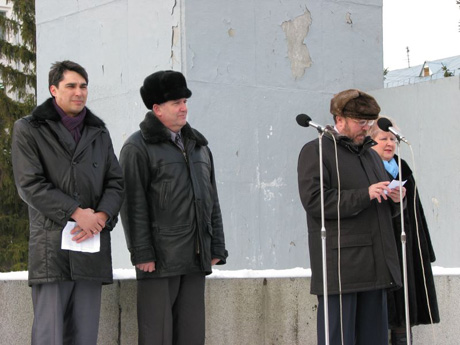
{"x": 54, "y": 176}
{"x": 171, "y": 214}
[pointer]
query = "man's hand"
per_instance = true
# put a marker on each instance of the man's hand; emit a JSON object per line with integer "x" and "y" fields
{"x": 147, "y": 266}
{"x": 214, "y": 261}
{"x": 88, "y": 222}
{"x": 377, "y": 191}
{"x": 394, "y": 194}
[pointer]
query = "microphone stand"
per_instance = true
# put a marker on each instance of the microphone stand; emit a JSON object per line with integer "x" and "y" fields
{"x": 403, "y": 247}
{"x": 323, "y": 239}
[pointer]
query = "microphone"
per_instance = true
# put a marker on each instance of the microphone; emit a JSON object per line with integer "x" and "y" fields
{"x": 304, "y": 120}
{"x": 386, "y": 126}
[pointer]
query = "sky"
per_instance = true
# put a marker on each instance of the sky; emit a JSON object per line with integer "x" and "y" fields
{"x": 430, "y": 28}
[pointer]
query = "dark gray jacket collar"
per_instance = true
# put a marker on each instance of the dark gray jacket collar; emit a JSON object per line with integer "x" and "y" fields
{"x": 47, "y": 111}
{"x": 153, "y": 131}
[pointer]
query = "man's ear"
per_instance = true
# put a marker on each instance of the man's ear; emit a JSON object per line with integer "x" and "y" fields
{"x": 156, "y": 109}
{"x": 53, "y": 90}
{"x": 339, "y": 119}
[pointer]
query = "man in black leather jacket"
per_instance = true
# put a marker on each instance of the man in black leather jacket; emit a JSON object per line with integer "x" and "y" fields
{"x": 65, "y": 170}
{"x": 171, "y": 215}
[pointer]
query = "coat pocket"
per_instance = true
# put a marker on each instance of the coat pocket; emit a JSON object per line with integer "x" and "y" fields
{"x": 165, "y": 195}
{"x": 356, "y": 258}
{"x": 174, "y": 246}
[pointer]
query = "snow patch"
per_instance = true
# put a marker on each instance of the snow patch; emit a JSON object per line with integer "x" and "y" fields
{"x": 298, "y": 272}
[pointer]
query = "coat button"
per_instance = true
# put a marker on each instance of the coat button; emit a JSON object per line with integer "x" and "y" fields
{"x": 95, "y": 164}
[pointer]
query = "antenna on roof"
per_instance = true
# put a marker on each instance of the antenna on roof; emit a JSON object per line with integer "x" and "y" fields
{"x": 408, "y": 60}
{"x": 458, "y": 3}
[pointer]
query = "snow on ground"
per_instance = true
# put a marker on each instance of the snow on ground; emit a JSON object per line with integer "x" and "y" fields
{"x": 298, "y": 272}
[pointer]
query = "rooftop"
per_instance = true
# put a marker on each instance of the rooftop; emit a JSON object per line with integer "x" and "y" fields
{"x": 430, "y": 70}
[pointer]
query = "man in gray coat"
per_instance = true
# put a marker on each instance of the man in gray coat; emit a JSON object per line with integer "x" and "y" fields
{"x": 171, "y": 215}
{"x": 66, "y": 171}
{"x": 362, "y": 260}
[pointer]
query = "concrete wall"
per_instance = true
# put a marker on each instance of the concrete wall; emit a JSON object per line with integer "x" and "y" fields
{"x": 252, "y": 65}
{"x": 255, "y": 66}
{"x": 427, "y": 114}
{"x": 256, "y": 311}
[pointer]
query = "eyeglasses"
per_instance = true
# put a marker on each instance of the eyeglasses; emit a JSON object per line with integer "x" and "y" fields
{"x": 363, "y": 123}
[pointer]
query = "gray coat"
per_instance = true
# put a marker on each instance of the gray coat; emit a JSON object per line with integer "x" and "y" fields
{"x": 369, "y": 258}
{"x": 171, "y": 214}
{"x": 54, "y": 176}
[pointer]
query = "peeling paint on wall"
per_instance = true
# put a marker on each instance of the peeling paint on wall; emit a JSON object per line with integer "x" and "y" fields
{"x": 296, "y": 31}
{"x": 175, "y": 37}
{"x": 270, "y": 132}
{"x": 268, "y": 187}
{"x": 435, "y": 207}
{"x": 348, "y": 18}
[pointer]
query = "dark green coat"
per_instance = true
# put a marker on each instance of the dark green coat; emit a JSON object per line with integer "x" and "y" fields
{"x": 369, "y": 259}
{"x": 54, "y": 176}
{"x": 171, "y": 214}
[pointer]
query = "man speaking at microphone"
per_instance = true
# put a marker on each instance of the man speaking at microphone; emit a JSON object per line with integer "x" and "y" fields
{"x": 362, "y": 260}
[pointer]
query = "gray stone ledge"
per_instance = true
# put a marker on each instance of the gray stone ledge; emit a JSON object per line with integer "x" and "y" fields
{"x": 238, "y": 311}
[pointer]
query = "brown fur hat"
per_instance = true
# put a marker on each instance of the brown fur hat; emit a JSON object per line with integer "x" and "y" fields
{"x": 355, "y": 103}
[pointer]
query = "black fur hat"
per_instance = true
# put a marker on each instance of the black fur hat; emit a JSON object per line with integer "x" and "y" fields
{"x": 163, "y": 86}
{"x": 355, "y": 103}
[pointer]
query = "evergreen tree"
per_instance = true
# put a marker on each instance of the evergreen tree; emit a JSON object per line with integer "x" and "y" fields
{"x": 17, "y": 98}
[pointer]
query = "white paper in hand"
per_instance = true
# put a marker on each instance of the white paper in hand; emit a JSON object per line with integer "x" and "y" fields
{"x": 395, "y": 183}
{"x": 91, "y": 245}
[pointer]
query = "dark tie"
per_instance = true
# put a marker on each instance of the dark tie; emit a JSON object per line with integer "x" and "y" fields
{"x": 179, "y": 142}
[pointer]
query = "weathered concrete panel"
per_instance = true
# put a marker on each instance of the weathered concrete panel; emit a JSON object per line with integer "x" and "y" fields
{"x": 15, "y": 313}
{"x": 109, "y": 325}
{"x": 256, "y": 311}
{"x": 247, "y": 44}
{"x": 246, "y": 97}
{"x": 427, "y": 115}
{"x": 241, "y": 312}
{"x": 128, "y": 312}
